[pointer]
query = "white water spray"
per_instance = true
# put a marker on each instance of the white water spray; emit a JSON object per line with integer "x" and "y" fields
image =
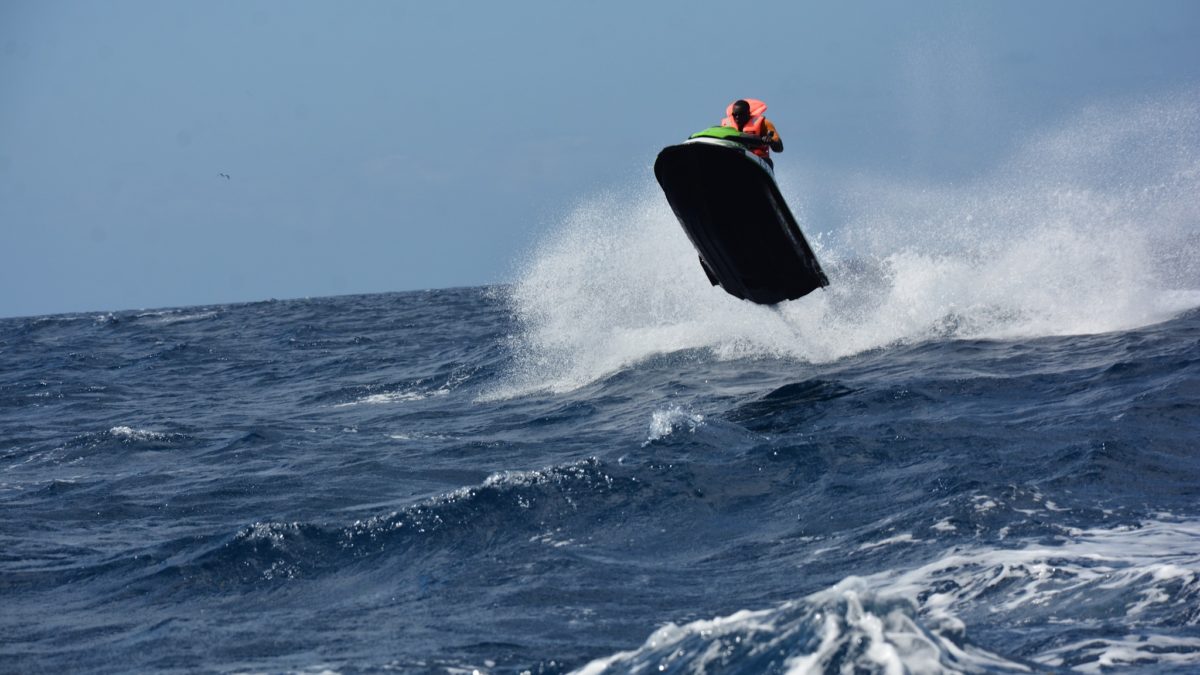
{"x": 1090, "y": 228}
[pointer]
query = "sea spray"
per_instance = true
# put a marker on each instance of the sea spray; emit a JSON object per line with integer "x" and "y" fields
{"x": 1088, "y": 228}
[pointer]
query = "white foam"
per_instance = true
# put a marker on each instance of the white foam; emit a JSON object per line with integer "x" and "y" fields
{"x": 417, "y": 436}
{"x": 743, "y": 622}
{"x": 903, "y": 538}
{"x": 1094, "y": 656}
{"x": 177, "y": 316}
{"x": 983, "y": 503}
{"x": 664, "y": 422}
{"x": 1145, "y": 558}
{"x": 1146, "y": 575}
{"x": 131, "y": 434}
{"x": 1089, "y": 228}
{"x": 846, "y": 628}
{"x": 908, "y": 620}
{"x": 385, "y": 398}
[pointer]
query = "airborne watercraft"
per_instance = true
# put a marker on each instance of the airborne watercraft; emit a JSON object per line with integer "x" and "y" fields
{"x": 728, "y": 203}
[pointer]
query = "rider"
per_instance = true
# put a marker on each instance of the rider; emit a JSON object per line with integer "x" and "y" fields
{"x": 746, "y": 115}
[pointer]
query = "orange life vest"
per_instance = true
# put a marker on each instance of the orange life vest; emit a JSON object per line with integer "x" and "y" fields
{"x": 754, "y": 126}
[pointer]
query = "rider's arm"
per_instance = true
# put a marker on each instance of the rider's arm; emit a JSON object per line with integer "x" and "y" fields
{"x": 776, "y": 142}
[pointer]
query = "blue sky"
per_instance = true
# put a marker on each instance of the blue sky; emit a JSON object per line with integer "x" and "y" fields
{"x": 388, "y": 146}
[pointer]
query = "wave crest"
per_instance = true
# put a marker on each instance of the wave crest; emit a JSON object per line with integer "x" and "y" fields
{"x": 847, "y": 628}
{"x": 1088, "y": 228}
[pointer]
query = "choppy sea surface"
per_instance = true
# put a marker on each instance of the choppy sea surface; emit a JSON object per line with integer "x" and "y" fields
{"x": 976, "y": 451}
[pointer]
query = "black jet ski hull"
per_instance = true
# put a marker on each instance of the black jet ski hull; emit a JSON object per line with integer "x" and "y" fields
{"x": 730, "y": 207}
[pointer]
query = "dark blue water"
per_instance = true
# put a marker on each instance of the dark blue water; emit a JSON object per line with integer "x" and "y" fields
{"x": 334, "y": 483}
{"x": 976, "y": 451}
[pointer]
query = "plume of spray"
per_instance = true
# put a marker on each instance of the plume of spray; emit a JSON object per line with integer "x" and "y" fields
{"x": 1088, "y": 228}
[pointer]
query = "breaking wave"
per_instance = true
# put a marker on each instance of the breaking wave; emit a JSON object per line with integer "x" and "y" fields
{"x": 1089, "y": 228}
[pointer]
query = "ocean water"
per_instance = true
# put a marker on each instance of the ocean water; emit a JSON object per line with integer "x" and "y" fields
{"x": 976, "y": 451}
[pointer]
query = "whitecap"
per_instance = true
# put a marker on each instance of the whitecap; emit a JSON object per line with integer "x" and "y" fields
{"x": 127, "y": 433}
{"x": 664, "y": 422}
{"x": 846, "y": 628}
{"x": 388, "y": 397}
{"x": 909, "y": 620}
